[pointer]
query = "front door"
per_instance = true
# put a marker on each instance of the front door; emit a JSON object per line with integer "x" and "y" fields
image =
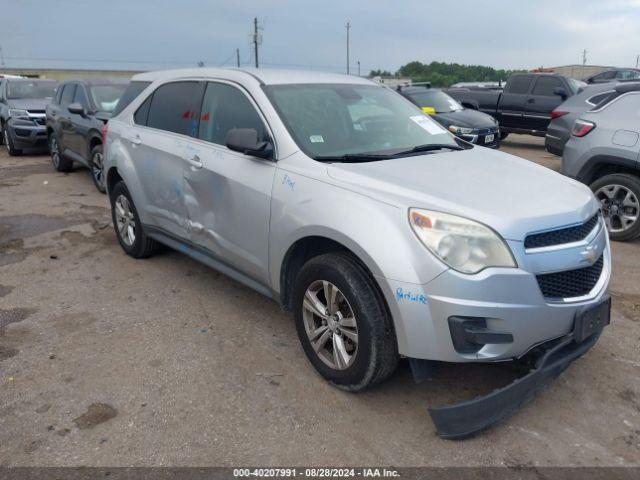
{"x": 228, "y": 194}
{"x": 76, "y": 140}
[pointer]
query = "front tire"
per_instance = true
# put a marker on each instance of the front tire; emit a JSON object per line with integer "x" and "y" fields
{"x": 343, "y": 323}
{"x": 59, "y": 162}
{"x": 97, "y": 168}
{"x": 619, "y": 195}
{"x": 126, "y": 222}
{"x": 13, "y": 151}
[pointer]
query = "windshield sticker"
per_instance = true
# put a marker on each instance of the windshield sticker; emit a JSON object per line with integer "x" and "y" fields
{"x": 428, "y": 125}
{"x": 316, "y": 139}
{"x": 429, "y": 110}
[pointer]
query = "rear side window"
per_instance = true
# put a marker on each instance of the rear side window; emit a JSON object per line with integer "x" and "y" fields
{"x": 627, "y": 74}
{"x": 174, "y": 108}
{"x": 546, "y": 85}
{"x": 67, "y": 94}
{"x": 225, "y": 107}
{"x": 519, "y": 84}
{"x": 133, "y": 90}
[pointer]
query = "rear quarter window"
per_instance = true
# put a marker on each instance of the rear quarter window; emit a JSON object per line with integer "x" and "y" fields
{"x": 133, "y": 90}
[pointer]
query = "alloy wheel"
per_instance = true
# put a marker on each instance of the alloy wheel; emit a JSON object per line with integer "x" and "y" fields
{"x": 125, "y": 220}
{"x": 620, "y": 207}
{"x": 330, "y": 325}
{"x": 55, "y": 152}
{"x": 97, "y": 168}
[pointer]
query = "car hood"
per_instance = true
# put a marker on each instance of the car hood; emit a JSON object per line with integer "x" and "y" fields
{"x": 29, "y": 103}
{"x": 510, "y": 194}
{"x": 465, "y": 118}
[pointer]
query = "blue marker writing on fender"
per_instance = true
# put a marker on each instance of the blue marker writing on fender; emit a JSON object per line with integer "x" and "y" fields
{"x": 411, "y": 297}
{"x": 286, "y": 180}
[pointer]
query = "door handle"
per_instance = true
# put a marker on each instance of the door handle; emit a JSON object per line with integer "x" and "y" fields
{"x": 531, "y": 100}
{"x": 136, "y": 140}
{"x": 195, "y": 161}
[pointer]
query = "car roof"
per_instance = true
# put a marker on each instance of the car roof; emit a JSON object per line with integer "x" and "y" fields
{"x": 99, "y": 81}
{"x": 418, "y": 89}
{"x": 265, "y": 76}
{"x": 29, "y": 79}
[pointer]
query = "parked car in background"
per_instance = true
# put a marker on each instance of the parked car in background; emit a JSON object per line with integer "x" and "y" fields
{"x": 603, "y": 153}
{"x": 382, "y": 232}
{"x": 466, "y": 123}
{"x": 564, "y": 116}
{"x": 22, "y": 112}
{"x": 614, "y": 75}
{"x": 75, "y": 119}
{"x": 525, "y": 104}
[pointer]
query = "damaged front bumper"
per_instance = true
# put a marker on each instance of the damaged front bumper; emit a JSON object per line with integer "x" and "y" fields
{"x": 468, "y": 418}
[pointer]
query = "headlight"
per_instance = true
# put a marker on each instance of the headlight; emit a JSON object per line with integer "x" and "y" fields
{"x": 16, "y": 112}
{"x": 460, "y": 130}
{"x": 463, "y": 244}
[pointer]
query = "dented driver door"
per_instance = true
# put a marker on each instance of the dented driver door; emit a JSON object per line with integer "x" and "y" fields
{"x": 227, "y": 193}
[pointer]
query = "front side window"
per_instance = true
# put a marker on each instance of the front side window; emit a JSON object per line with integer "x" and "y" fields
{"x": 67, "y": 94}
{"x": 17, "y": 89}
{"x": 225, "y": 107}
{"x": 106, "y": 97}
{"x": 174, "y": 108}
{"x": 81, "y": 97}
{"x": 546, "y": 86}
{"x": 437, "y": 100}
{"x": 347, "y": 119}
{"x": 627, "y": 74}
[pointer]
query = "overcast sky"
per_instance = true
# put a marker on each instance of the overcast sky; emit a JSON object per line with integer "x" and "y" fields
{"x": 151, "y": 34}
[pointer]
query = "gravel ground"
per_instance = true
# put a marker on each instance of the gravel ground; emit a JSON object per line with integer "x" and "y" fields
{"x": 109, "y": 361}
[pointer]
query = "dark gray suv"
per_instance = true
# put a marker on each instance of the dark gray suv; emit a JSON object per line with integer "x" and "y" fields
{"x": 22, "y": 112}
{"x": 75, "y": 119}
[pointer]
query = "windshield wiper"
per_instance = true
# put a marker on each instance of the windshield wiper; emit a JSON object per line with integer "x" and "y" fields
{"x": 428, "y": 147}
{"x": 353, "y": 157}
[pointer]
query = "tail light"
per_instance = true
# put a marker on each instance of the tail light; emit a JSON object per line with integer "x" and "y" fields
{"x": 557, "y": 114}
{"x": 105, "y": 130}
{"x": 581, "y": 128}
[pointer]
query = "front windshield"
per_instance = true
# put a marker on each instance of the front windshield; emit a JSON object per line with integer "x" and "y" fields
{"x": 17, "y": 89}
{"x": 106, "y": 97}
{"x": 346, "y": 119}
{"x": 435, "y": 100}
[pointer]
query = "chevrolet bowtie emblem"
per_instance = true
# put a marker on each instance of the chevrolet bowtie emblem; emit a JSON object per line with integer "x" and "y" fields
{"x": 590, "y": 254}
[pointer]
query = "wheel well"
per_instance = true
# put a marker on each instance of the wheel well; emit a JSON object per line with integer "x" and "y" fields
{"x": 113, "y": 177}
{"x": 604, "y": 165}
{"x": 94, "y": 141}
{"x": 298, "y": 254}
{"x": 49, "y": 132}
{"x": 608, "y": 169}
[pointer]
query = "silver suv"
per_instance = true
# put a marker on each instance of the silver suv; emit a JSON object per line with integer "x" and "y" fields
{"x": 384, "y": 234}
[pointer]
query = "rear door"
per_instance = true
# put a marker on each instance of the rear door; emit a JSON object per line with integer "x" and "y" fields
{"x": 159, "y": 148}
{"x": 542, "y": 101}
{"x": 228, "y": 195}
{"x": 512, "y": 102}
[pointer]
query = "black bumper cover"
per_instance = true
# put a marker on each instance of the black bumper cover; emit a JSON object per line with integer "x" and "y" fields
{"x": 465, "y": 419}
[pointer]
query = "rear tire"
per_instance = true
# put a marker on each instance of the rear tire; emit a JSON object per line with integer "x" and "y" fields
{"x": 96, "y": 166}
{"x": 126, "y": 222}
{"x": 59, "y": 162}
{"x": 619, "y": 194}
{"x": 357, "y": 324}
{"x": 14, "y": 152}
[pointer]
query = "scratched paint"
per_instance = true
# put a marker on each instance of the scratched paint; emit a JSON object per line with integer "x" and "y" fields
{"x": 286, "y": 180}
{"x": 409, "y": 296}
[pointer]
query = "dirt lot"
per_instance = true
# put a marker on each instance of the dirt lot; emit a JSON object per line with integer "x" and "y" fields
{"x": 109, "y": 361}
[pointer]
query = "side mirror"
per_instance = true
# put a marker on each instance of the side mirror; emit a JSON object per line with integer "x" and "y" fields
{"x": 561, "y": 92}
{"x": 76, "y": 108}
{"x": 471, "y": 104}
{"x": 245, "y": 140}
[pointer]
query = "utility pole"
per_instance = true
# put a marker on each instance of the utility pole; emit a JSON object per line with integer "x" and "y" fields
{"x": 238, "y": 57}
{"x": 255, "y": 39}
{"x": 1, "y": 56}
{"x": 637, "y": 59}
{"x": 348, "y": 26}
{"x": 358, "y": 67}
{"x": 584, "y": 57}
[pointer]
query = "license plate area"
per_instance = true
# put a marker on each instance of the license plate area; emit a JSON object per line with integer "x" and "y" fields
{"x": 591, "y": 320}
